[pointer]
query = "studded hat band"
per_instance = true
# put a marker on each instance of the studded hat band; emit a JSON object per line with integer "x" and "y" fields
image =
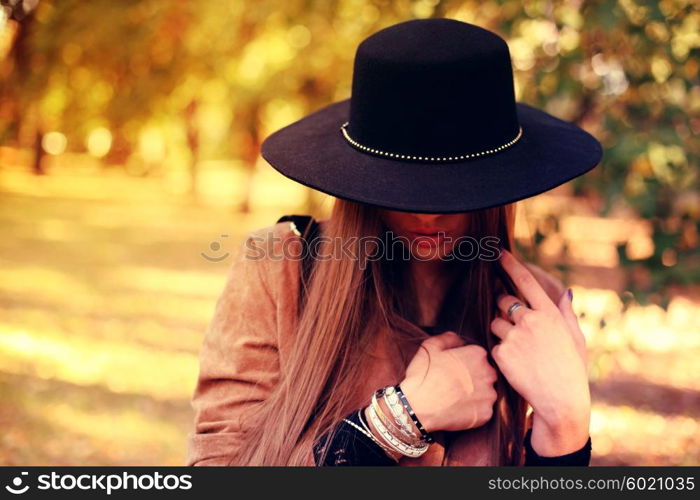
{"x": 401, "y": 156}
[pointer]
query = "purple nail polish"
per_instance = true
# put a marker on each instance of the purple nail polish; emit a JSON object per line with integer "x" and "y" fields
{"x": 571, "y": 295}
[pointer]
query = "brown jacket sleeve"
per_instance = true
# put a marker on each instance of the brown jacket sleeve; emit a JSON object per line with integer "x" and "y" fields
{"x": 239, "y": 362}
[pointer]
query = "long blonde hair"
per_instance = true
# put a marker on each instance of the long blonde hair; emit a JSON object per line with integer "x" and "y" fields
{"x": 341, "y": 299}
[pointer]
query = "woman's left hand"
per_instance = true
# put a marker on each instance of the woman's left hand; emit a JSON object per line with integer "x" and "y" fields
{"x": 542, "y": 354}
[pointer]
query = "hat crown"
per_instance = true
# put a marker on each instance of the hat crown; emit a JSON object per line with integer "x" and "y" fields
{"x": 436, "y": 87}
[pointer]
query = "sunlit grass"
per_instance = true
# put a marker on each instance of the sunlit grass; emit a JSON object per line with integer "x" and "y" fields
{"x": 121, "y": 367}
{"x": 62, "y": 424}
{"x": 117, "y": 296}
{"x": 115, "y": 433}
{"x": 627, "y": 435}
{"x": 165, "y": 332}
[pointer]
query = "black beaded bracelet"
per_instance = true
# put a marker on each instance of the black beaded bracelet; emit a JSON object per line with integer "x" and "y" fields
{"x": 426, "y": 435}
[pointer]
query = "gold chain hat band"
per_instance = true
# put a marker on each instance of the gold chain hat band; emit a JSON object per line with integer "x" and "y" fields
{"x": 401, "y": 156}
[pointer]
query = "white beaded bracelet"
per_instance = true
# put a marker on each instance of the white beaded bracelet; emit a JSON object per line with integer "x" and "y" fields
{"x": 398, "y": 410}
{"x": 406, "y": 436}
{"x": 395, "y": 443}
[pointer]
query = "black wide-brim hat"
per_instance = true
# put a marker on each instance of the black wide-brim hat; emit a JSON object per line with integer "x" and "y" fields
{"x": 432, "y": 126}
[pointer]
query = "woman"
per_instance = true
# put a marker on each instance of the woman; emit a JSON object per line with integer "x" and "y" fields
{"x": 433, "y": 359}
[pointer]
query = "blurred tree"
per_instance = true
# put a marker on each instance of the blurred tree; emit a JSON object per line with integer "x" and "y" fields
{"x": 228, "y": 74}
{"x": 22, "y": 15}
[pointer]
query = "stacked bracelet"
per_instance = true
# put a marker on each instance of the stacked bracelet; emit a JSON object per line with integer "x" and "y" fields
{"x": 426, "y": 435}
{"x": 398, "y": 436}
{"x": 394, "y": 442}
{"x": 397, "y": 410}
{"x": 405, "y": 435}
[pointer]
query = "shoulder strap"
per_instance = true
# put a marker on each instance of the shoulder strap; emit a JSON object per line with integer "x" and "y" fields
{"x": 307, "y": 227}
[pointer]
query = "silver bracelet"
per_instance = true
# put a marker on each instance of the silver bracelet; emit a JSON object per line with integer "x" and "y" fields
{"x": 395, "y": 443}
{"x": 368, "y": 432}
{"x": 407, "y": 437}
{"x": 398, "y": 411}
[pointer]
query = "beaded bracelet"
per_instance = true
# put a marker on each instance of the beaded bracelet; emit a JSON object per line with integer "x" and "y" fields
{"x": 400, "y": 433}
{"x": 395, "y": 443}
{"x": 398, "y": 411}
{"x": 426, "y": 435}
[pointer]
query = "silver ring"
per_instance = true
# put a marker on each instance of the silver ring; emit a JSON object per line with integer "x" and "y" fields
{"x": 513, "y": 307}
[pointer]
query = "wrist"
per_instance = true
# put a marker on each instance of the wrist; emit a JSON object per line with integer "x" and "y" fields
{"x": 422, "y": 411}
{"x": 560, "y": 435}
{"x": 559, "y": 414}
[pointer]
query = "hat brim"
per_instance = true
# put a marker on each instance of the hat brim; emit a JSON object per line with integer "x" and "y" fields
{"x": 313, "y": 152}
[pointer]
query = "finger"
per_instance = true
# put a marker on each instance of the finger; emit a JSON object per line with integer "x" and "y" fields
{"x": 553, "y": 286}
{"x": 445, "y": 340}
{"x": 527, "y": 284}
{"x": 504, "y": 303}
{"x": 496, "y": 354}
{"x": 501, "y": 328}
{"x": 567, "y": 310}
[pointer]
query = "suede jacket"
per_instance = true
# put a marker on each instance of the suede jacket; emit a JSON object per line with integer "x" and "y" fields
{"x": 248, "y": 341}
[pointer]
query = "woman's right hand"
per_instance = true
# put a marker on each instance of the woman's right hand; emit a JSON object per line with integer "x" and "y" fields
{"x": 449, "y": 385}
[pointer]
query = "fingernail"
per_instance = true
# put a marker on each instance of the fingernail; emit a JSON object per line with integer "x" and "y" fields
{"x": 571, "y": 295}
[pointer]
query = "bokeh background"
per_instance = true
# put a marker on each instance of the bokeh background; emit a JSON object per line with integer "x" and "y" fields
{"x": 129, "y": 153}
